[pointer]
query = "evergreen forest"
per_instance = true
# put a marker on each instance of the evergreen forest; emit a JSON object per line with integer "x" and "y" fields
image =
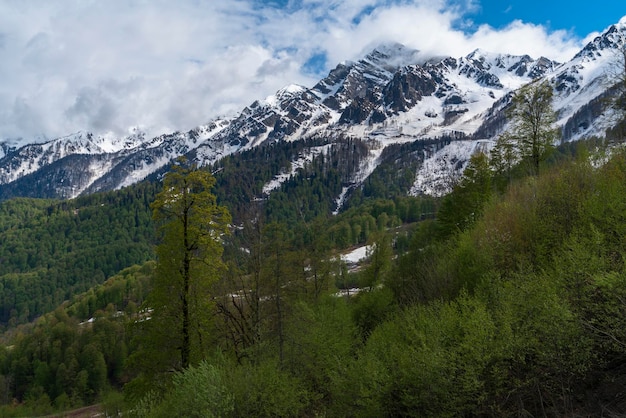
{"x": 506, "y": 297}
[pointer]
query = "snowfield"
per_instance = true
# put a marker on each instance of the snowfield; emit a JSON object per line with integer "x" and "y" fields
{"x": 356, "y": 255}
{"x": 390, "y": 96}
{"x": 441, "y": 171}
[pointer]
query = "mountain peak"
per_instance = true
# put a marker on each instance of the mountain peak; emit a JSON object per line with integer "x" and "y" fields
{"x": 504, "y": 70}
{"x": 392, "y": 94}
{"x": 479, "y": 54}
{"x": 392, "y": 55}
{"x": 612, "y": 38}
{"x": 283, "y": 94}
{"x": 497, "y": 59}
{"x": 356, "y": 80}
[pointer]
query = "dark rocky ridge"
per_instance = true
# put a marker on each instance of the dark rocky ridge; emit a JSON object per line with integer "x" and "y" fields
{"x": 368, "y": 94}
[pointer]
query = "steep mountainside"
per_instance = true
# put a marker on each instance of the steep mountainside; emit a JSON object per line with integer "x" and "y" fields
{"x": 391, "y": 96}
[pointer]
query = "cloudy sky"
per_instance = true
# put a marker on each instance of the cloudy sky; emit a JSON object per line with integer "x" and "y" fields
{"x": 165, "y": 65}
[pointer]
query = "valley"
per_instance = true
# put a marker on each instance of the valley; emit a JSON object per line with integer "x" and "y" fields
{"x": 411, "y": 236}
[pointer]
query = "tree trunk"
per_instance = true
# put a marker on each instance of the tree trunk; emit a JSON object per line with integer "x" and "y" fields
{"x": 186, "y": 345}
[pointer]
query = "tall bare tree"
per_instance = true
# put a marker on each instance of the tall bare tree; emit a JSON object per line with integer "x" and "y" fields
{"x": 617, "y": 90}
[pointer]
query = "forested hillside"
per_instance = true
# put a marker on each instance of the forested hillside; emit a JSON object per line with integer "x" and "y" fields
{"x": 511, "y": 306}
{"x": 309, "y": 191}
{"x": 517, "y": 310}
{"x": 433, "y": 228}
{"x": 509, "y": 301}
{"x": 75, "y": 355}
{"x": 52, "y": 250}
{"x": 98, "y": 320}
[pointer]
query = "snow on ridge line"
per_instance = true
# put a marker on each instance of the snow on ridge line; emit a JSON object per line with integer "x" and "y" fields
{"x": 290, "y": 90}
{"x": 48, "y": 153}
{"x": 187, "y": 143}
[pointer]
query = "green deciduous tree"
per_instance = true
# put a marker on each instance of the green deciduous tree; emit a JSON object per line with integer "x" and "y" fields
{"x": 532, "y": 122}
{"x": 461, "y": 208}
{"x": 502, "y": 158}
{"x": 192, "y": 225}
{"x": 197, "y": 392}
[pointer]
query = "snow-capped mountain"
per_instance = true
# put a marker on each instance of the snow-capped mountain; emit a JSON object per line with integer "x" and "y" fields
{"x": 393, "y": 95}
{"x": 70, "y": 166}
{"x": 582, "y": 82}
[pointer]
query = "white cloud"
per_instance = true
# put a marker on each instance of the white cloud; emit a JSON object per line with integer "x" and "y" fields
{"x": 164, "y": 65}
{"x": 524, "y": 38}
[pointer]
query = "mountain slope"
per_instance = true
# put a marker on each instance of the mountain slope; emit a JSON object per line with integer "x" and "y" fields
{"x": 390, "y": 96}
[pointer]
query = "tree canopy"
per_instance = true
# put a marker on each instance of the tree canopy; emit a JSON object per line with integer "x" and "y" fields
{"x": 192, "y": 227}
{"x": 532, "y": 123}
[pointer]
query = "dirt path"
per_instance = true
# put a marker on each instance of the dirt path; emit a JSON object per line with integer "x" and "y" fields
{"x": 85, "y": 412}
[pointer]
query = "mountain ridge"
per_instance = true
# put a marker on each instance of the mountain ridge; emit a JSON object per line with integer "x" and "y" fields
{"x": 391, "y": 95}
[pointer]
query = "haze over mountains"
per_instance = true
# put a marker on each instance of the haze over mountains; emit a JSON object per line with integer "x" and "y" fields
{"x": 392, "y": 95}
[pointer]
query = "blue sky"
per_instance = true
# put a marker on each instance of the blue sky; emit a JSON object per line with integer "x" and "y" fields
{"x": 581, "y": 18}
{"x": 162, "y": 65}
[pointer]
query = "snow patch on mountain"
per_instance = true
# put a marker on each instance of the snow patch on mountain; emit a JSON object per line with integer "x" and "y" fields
{"x": 97, "y": 168}
{"x": 143, "y": 170}
{"x": 296, "y": 165}
{"x": 209, "y": 153}
{"x": 357, "y": 254}
{"x": 341, "y": 199}
{"x": 443, "y": 169}
{"x": 283, "y": 94}
{"x": 393, "y": 95}
{"x": 111, "y": 142}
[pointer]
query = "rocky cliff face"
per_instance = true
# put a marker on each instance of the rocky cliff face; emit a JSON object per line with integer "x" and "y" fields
{"x": 391, "y": 96}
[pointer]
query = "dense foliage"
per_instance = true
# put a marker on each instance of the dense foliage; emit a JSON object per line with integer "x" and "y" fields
{"x": 52, "y": 250}
{"x": 308, "y": 193}
{"x": 76, "y": 354}
{"x": 509, "y": 302}
{"x": 310, "y": 190}
{"x": 516, "y": 310}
